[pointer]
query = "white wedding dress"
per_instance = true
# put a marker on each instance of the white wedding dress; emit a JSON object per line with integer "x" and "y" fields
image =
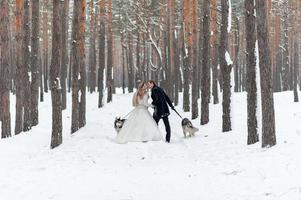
{"x": 140, "y": 125}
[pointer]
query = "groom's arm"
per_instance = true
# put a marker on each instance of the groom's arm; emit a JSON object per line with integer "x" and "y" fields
{"x": 155, "y": 98}
{"x": 168, "y": 100}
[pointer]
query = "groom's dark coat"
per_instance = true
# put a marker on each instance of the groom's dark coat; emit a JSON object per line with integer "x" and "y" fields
{"x": 160, "y": 102}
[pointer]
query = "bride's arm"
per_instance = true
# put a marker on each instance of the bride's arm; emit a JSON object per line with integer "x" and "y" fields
{"x": 145, "y": 102}
{"x": 134, "y": 100}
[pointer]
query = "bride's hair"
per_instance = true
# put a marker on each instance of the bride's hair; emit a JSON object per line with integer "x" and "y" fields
{"x": 139, "y": 94}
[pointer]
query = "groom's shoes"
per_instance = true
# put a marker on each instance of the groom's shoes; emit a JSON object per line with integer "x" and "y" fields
{"x": 167, "y": 141}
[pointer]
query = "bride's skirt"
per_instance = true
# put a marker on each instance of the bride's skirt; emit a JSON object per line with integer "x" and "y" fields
{"x": 139, "y": 127}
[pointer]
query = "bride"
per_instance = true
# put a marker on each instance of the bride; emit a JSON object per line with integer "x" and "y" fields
{"x": 140, "y": 126}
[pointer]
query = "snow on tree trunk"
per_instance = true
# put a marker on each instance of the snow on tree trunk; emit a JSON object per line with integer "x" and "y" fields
{"x": 226, "y": 67}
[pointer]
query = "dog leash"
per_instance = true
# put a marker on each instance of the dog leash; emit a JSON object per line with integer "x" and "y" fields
{"x": 128, "y": 114}
{"x": 178, "y": 113}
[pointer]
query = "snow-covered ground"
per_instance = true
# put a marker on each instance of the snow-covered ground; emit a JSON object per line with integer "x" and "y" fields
{"x": 211, "y": 166}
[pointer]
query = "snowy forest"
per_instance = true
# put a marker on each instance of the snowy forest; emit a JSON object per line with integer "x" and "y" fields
{"x": 69, "y": 67}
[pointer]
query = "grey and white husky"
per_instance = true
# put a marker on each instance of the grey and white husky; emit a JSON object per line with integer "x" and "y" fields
{"x": 118, "y": 124}
{"x": 188, "y": 128}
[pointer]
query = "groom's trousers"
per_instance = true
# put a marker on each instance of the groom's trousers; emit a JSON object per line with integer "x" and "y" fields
{"x": 167, "y": 126}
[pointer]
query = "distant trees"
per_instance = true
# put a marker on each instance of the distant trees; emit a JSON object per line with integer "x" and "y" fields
{"x": 184, "y": 45}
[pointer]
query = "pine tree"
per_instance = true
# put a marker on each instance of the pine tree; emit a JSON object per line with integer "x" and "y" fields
{"x": 75, "y": 67}
{"x": 205, "y": 86}
{"x": 25, "y": 69}
{"x": 56, "y": 95}
{"x": 35, "y": 62}
{"x": 82, "y": 69}
{"x": 102, "y": 49}
{"x": 4, "y": 71}
{"x": 250, "y": 23}
{"x": 225, "y": 67}
{"x": 268, "y": 113}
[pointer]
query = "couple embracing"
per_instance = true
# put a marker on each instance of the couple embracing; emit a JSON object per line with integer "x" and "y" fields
{"x": 140, "y": 125}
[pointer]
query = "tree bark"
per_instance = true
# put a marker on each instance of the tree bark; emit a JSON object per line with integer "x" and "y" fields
{"x": 195, "y": 66}
{"x": 56, "y": 137}
{"x": 64, "y": 56}
{"x": 226, "y": 69}
{"x": 19, "y": 68}
{"x": 92, "y": 50}
{"x": 27, "y": 123}
{"x": 110, "y": 83}
{"x": 75, "y": 67}
{"x": 205, "y": 86}
{"x": 186, "y": 53}
{"x": 268, "y": 113}
{"x": 296, "y": 66}
{"x": 4, "y": 71}
{"x": 35, "y": 62}
{"x": 250, "y": 24}
{"x": 82, "y": 70}
{"x": 214, "y": 52}
{"x": 102, "y": 49}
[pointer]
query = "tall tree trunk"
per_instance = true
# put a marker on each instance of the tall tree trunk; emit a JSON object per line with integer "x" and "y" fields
{"x": 56, "y": 96}
{"x": 195, "y": 66}
{"x": 250, "y": 24}
{"x": 268, "y": 113}
{"x": 82, "y": 71}
{"x": 19, "y": 68}
{"x": 102, "y": 49}
{"x": 171, "y": 37}
{"x": 64, "y": 56}
{"x": 225, "y": 67}
{"x": 35, "y": 62}
{"x": 27, "y": 123}
{"x": 186, "y": 53}
{"x": 214, "y": 52}
{"x": 130, "y": 63}
{"x": 138, "y": 69}
{"x": 75, "y": 67}
{"x": 4, "y": 71}
{"x": 286, "y": 66}
{"x": 296, "y": 65}
{"x": 205, "y": 86}
{"x": 92, "y": 50}
{"x": 110, "y": 83}
{"x": 45, "y": 45}
{"x": 237, "y": 87}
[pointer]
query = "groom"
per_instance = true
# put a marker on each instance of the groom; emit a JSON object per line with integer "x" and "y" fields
{"x": 160, "y": 103}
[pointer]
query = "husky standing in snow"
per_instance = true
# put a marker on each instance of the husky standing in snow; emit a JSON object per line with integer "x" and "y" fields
{"x": 188, "y": 128}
